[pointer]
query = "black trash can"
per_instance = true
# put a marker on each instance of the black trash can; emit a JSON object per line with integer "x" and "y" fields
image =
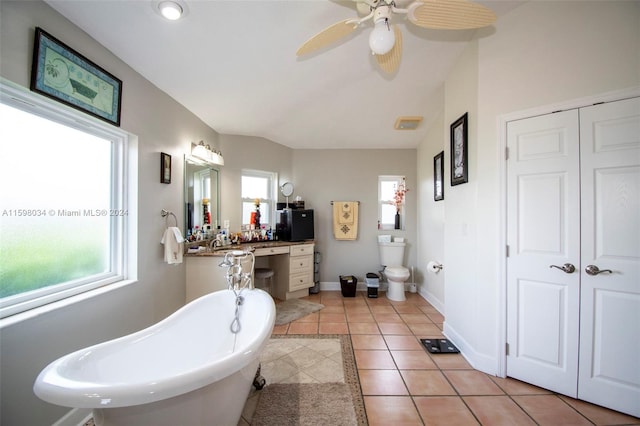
{"x": 348, "y": 285}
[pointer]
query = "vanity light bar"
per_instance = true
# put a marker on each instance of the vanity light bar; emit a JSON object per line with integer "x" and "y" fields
{"x": 205, "y": 153}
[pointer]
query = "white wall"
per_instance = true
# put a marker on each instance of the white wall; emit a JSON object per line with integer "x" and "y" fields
{"x": 540, "y": 53}
{"x": 161, "y": 124}
{"x": 431, "y": 224}
{"x": 322, "y": 176}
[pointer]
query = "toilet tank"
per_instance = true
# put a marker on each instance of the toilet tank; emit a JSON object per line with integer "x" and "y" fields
{"x": 391, "y": 254}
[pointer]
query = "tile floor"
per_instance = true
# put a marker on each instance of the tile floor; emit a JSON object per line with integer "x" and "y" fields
{"x": 403, "y": 384}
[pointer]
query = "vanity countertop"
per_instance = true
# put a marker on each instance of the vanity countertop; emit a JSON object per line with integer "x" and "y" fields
{"x": 250, "y": 246}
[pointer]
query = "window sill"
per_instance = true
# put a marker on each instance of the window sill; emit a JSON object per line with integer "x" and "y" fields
{"x": 389, "y": 228}
{"x": 60, "y": 304}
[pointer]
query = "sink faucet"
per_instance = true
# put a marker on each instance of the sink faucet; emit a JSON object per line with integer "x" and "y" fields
{"x": 214, "y": 243}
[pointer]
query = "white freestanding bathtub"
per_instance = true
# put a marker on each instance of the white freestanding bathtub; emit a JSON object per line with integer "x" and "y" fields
{"x": 188, "y": 369}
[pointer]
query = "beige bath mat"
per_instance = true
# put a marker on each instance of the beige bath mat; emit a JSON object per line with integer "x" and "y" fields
{"x": 294, "y": 309}
{"x": 305, "y": 404}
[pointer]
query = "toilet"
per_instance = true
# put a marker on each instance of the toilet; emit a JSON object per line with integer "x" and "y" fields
{"x": 391, "y": 258}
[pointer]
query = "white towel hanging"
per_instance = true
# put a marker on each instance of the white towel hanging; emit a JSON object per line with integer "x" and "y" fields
{"x": 173, "y": 245}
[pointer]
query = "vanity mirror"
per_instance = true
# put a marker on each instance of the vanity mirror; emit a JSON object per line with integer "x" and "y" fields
{"x": 287, "y": 190}
{"x": 201, "y": 195}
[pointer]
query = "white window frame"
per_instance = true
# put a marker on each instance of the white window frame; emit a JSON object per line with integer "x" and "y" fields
{"x": 397, "y": 180}
{"x": 123, "y": 240}
{"x": 272, "y": 189}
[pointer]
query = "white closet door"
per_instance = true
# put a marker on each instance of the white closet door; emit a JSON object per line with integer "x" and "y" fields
{"x": 543, "y": 231}
{"x": 609, "y": 372}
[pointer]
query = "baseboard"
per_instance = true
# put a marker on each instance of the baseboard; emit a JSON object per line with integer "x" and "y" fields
{"x": 329, "y": 286}
{"x": 429, "y": 297}
{"x": 477, "y": 360}
{"x": 335, "y": 286}
{"x": 75, "y": 417}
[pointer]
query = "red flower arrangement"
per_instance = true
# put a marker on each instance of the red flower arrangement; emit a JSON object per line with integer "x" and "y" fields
{"x": 399, "y": 195}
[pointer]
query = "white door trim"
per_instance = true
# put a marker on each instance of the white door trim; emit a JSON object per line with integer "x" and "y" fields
{"x": 502, "y": 121}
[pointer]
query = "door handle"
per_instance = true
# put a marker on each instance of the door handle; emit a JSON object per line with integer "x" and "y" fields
{"x": 567, "y": 268}
{"x": 594, "y": 270}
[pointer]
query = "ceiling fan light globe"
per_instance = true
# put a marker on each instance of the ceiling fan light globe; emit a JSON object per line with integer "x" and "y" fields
{"x": 382, "y": 38}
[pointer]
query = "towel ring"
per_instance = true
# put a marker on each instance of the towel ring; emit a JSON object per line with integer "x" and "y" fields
{"x": 166, "y": 214}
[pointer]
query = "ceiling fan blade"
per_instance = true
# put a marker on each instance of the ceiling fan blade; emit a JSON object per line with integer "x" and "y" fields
{"x": 326, "y": 37}
{"x": 390, "y": 61}
{"x": 450, "y": 14}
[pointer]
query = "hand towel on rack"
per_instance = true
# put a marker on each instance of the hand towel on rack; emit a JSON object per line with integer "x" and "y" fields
{"x": 173, "y": 243}
{"x": 346, "y": 215}
{"x": 345, "y": 220}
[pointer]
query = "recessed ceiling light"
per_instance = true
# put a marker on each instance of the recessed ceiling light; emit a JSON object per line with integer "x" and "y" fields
{"x": 407, "y": 123}
{"x": 170, "y": 10}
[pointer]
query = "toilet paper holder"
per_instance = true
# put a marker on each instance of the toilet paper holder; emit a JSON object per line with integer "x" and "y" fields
{"x": 434, "y": 267}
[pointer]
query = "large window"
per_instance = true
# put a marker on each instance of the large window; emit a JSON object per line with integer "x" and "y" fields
{"x": 388, "y": 204}
{"x": 63, "y": 202}
{"x": 258, "y": 186}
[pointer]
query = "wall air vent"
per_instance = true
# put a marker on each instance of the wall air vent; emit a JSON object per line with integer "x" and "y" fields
{"x": 407, "y": 123}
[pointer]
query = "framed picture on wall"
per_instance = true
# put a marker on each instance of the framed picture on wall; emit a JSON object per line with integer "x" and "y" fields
{"x": 438, "y": 177}
{"x": 61, "y": 73}
{"x": 165, "y": 168}
{"x": 459, "y": 156}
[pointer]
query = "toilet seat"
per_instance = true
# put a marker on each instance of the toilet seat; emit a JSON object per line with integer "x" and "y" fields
{"x": 396, "y": 272}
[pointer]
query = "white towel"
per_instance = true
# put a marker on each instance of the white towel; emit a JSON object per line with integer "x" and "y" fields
{"x": 173, "y": 243}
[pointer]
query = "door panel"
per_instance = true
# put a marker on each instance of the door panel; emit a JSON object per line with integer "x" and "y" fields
{"x": 543, "y": 230}
{"x": 539, "y": 336}
{"x": 615, "y": 197}
{"x": 610, "y": 318}
{"x": 535, "y": 191}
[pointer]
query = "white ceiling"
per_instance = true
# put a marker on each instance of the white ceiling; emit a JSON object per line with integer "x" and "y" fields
{"x": 233, "y": 64}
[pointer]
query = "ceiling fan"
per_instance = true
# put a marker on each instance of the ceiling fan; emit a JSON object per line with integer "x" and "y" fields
{"x": 385, "y": 40}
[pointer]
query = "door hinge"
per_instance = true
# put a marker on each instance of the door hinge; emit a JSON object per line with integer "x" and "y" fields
{"x": 506, "y": 153}
{"x": 507, "y": 251}
{"x": 506, "y": 348}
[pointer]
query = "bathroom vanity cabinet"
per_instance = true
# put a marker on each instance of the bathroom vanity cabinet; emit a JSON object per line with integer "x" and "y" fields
{"x": 293, "y": 273}
{"x": 292, "y": 263}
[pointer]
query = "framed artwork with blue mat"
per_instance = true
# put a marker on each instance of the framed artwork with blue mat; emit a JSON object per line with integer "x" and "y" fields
{"x": 61, "y": 73}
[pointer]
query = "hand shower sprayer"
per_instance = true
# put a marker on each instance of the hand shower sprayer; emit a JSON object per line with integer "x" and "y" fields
{"x": 237, "y": 279}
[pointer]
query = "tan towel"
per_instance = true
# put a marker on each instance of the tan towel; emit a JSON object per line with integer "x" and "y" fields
{"x": 346, "y": 212}
{"x": 173, "y": 245}
{"x": 345, "y": 220}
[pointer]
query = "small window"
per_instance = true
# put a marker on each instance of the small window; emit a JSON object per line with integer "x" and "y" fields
{"x": 63, "y": 210}
{"x": 258, "y": 187}
{"x": 388, "y": 202}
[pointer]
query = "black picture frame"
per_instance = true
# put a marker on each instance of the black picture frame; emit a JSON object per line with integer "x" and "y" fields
{"x": 165, "y": 168}
{"x": 438, "y": 177}
{"x": 62, "y": 74}
{"x": 458, "y": 153}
